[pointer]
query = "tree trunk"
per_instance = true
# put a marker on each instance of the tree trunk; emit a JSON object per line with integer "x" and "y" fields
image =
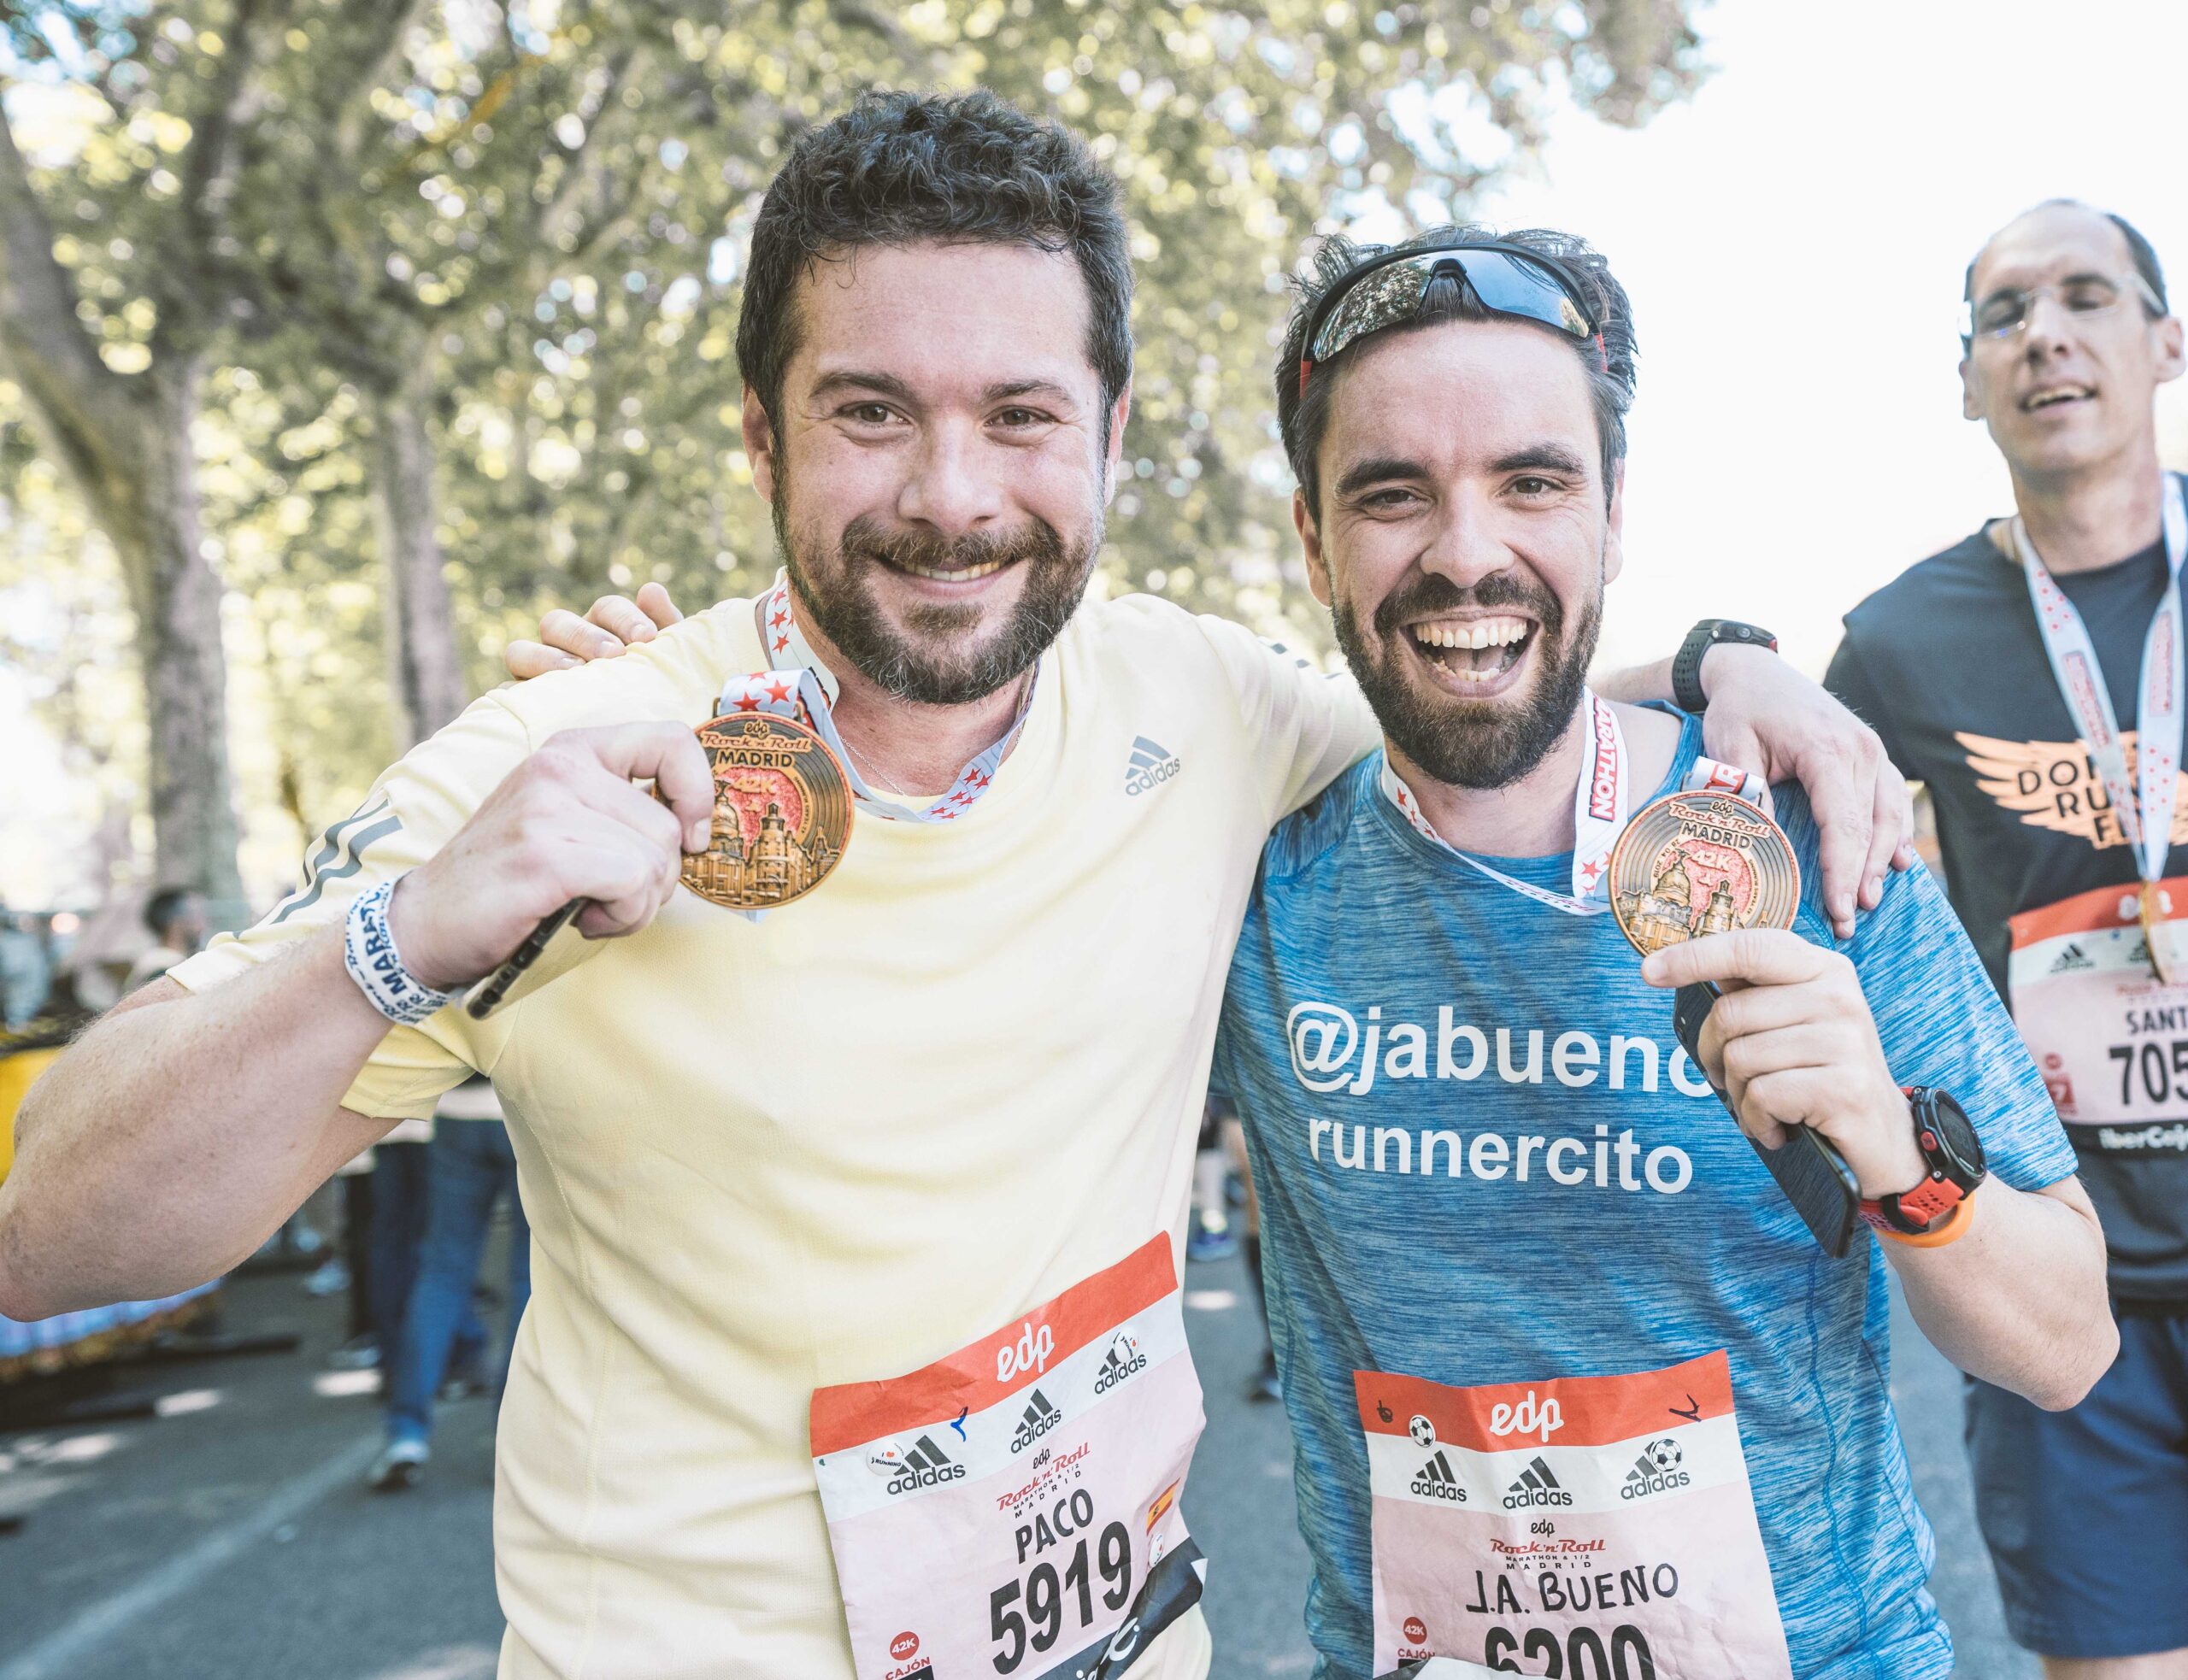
{"x": 152, "y": 516}
{"x": 426, "y": 685}
{"x": 124, "y": 443}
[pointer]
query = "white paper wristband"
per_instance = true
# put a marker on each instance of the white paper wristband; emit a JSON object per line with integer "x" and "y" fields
{"x": 369, "y": 954}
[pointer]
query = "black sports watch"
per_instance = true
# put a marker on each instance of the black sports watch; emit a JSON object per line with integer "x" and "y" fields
{"x": 1954, "y": 1155}
{"x": 1686, "y": 664}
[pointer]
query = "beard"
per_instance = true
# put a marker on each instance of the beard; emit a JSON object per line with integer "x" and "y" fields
{"x": 935, "y": 656}
{"x": 1469, "y": 743}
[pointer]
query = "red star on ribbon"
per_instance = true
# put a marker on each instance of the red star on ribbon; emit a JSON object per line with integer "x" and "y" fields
{"x": 778, "y": 689}
{"x": 779, "y": 619}
{"x": 781, "y": 643}
{"x": 750, "y": 702}
{"x": 974, "y": 778}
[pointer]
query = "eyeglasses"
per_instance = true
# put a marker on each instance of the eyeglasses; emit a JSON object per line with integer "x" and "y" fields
{"x": 2009, "y": 310}
{"x": 1509, "y": 280}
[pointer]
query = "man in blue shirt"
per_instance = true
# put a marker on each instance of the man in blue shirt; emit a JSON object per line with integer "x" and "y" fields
{"x": 1574, "y": 1391}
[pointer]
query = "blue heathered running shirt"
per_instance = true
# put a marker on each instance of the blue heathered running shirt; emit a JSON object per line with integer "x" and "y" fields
{"x": 1384, "y": 997}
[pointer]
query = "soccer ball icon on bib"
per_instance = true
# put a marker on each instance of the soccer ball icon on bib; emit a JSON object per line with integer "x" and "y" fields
{"x": 1422, "y": 1431}
{"x": 1665, "y": 1455}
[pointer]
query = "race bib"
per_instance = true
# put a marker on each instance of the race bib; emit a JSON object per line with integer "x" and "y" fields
{"x": 1013, "y": 1509}
{"x": 1596, "y": 1526}
{"x": 2110, "y": 1038}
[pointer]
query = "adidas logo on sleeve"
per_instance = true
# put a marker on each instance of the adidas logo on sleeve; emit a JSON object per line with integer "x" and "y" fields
{"x": 1150, "y": 766}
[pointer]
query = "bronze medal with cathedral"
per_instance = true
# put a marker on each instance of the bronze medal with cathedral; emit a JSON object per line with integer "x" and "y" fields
{"x": 782, "y": 812}
{"x": 1701, "y": 863}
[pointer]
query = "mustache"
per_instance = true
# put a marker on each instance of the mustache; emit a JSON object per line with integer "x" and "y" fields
{"x": 1428, "y": 593}
{"x": 867, "y": 538}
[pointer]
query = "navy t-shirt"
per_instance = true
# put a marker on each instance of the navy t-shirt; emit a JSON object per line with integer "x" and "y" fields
{"x": 1946, "y": 665}
{"x": 1482, "y": 1158}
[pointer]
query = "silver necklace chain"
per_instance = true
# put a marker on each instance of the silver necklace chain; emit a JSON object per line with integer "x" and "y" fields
{"x": 872, "y": 772}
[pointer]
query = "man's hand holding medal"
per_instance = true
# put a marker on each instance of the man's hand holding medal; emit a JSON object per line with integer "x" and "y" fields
{"x": 570, "y": 823}
{"x": 1790, "y": 1043}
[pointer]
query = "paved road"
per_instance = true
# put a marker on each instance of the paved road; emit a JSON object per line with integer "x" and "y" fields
{"x": 231, "y": 1539}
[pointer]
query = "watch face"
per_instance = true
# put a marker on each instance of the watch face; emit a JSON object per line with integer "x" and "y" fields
{"x": 1948, "y": 1135}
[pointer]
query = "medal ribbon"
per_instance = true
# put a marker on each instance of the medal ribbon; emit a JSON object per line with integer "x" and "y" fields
{"x": 800, "y": 697}
{"x": 788, "y": 650}
{"x": 2144, "y": 804}
{"x": 1600, "y": 809}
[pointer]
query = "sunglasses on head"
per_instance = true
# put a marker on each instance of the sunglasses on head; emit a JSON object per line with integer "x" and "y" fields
{"x": 1388, "y": 292}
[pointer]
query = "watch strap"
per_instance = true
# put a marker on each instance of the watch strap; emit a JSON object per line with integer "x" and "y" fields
{"x": 1933, "y": 1204}
{"x": 1950, "y": 1229}
{"x": 1686, "y": 665}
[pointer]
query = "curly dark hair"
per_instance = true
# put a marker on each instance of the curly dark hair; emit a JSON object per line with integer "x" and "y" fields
{"x": 898, "y": 167}
{"x": 1302, "y": 416}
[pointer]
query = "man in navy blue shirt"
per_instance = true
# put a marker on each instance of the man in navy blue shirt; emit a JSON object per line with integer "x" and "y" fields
{"x": 1574, "y": 1391}
{"x": 2067, "y": 337}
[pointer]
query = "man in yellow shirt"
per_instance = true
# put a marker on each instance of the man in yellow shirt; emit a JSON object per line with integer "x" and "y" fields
{"x": 855, "y": 1345}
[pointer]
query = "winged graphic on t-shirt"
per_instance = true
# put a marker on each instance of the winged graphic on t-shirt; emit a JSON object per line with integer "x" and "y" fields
{"x": 2053, "y": 784}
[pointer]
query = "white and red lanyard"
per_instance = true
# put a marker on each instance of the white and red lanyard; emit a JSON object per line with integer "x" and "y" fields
{"x": 2143, "y": 804}
{"x": 1600, "y": 808}
{"x": 788, "y": 650}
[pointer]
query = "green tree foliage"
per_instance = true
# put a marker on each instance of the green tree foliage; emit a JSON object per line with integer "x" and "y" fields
{"x": 513, "y": 234}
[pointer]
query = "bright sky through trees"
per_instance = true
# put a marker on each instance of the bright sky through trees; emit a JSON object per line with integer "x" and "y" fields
{"x": 1794, "y": 239}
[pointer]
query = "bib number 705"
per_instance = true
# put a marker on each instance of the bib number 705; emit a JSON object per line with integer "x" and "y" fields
{"x": 2161, "y": 1080}
{"x": 1045, "y": 1592}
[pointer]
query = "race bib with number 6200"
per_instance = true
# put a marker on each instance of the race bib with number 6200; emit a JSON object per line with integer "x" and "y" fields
{"x": 1013, "y": 1509}
{"x": 1596, "y": 1526}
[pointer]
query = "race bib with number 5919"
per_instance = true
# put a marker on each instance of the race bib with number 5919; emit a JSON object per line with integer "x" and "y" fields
{"x": 1013, "y": 1509}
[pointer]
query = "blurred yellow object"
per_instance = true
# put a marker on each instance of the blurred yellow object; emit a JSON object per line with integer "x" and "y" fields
{"x": 17, "y": 1073}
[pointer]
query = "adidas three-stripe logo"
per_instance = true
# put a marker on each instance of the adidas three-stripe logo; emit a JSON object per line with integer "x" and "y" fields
{"x": 1040, "y": 1417}
{"x": 924, "y": 1465}
{"x": 1434, "y": 1480}
{"x": 1656, "y": 1471}
{"x": 1150, "y": 766}
{"x": 1538, "y": 1485}
{"x": 926, "y": 1455}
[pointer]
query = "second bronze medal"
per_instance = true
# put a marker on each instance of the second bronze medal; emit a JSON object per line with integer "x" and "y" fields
{"x": 1694, "y": 864}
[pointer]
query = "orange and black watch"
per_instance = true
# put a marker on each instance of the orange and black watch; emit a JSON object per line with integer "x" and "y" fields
{"x": 1954, "y": 1155}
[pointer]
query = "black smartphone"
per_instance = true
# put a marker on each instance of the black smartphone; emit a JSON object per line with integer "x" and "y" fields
{"x": 1813, "y": 1174}
{"x": 486, "y": 996}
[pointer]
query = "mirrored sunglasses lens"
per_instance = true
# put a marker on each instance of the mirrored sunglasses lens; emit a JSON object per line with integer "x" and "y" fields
{"x": 1389, "y": 294}
{"x": 1513, "y": 286}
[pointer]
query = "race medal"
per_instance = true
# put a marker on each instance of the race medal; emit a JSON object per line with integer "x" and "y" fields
{"x": 782, "y": 812}
{"x": 1694, "y": 864}
{"x": 2160, "y": 933}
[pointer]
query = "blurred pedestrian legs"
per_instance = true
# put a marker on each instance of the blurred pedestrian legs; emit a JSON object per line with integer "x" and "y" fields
{"x": 470, "y": 1168}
